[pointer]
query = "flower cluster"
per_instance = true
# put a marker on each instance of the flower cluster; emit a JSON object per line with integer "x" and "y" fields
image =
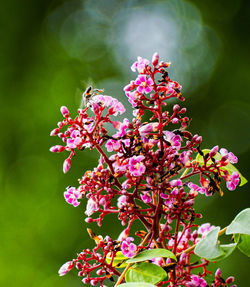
{"x": 145, "y": 173}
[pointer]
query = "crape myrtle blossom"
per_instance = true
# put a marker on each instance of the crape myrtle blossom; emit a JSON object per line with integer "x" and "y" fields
{"x": 145, "y": 174}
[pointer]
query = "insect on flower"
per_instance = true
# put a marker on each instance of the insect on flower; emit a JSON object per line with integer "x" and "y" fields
{"x": 88, "y": 94}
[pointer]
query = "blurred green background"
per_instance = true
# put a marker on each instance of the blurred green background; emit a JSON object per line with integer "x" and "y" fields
{"x": 50, "y": 51}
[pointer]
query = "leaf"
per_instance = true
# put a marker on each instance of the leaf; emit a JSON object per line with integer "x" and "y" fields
{"x": 243, "y": 241}
{"x": 227, "y": 249}
{"x": 119, "y": 258}
{"x": 230, "y": 168}
{"x": 152, "y": 253}
{"x": 208, "y": 247}
{"x": 145, "y": 272}
{"x": 241, "y": 223}
{"x": 136, "y": 284}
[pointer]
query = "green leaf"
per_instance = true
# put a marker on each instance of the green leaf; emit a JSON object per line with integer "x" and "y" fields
{"x": 136, "y": 284}
{"x": 241, "y": 223}
{"x": 118, "y": 260}
{"x": 243, "y": 241}
{"x": 208, "y": 246}
{"x": 152, "y": 253}
{"x": 145, "y": 272}
{"x": 230, "y": 168}
{"x": 227, "y": 249}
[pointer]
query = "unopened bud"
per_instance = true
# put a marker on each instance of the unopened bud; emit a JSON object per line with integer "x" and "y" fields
{"x": 155, "y": 59}
{"x": 64, "y": 110}
{"x": 55, "y": 132}
{"x": 230, "y": 280}
{"x": 199, "y": 139}
{"x": 57, "y": 148}
{"x": 175, "y": 121}
{"x": 218, "y": 273}
{"x": 66, "y": 165}
{"x": 214, "y": 151}
{"x": 183, "y": 258}
{"x": 176, "y": 108}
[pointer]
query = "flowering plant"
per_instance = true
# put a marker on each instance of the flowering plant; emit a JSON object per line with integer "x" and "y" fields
{"x": 146, "y": 173}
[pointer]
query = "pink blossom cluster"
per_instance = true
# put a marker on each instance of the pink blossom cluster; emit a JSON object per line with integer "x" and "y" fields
{"x": 145, "y": 174}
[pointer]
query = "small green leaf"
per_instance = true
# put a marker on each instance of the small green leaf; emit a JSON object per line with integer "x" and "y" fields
{"x": 145, "y": 272}
{"x": 118, "y": 260}
{"x": 208, "y": 246}
{"x": 230, "y": 168}
{"x": 152, "y": 253}
{"x": 136, "y": 284}
{"x": 243, "y": 241}
{"x": 241, "y": 223}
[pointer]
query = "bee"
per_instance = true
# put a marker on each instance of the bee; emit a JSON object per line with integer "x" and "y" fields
{"x": 93, "y": 236}
{"x": 88, "y": 94}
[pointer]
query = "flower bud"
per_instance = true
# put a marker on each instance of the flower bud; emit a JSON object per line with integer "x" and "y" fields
{"x": 155, "y": 59}
{"x": 218, "y": 273}
{"x": 230, "y": 280}
{"x": 65, "y": 268}
{"x": 214, "y": 151}
{"x": 66, "y": 165}
{"x": 55, "y": 132}
{"x": 175, "y": 121}
{"x": 182, "y": 111}
{"x": 65, "y": 112}
{"x": 176, "y": 108}
{"x": 79, "y": 265}
{"x": 183, "y": 258}
{"x": 57, "y": 148}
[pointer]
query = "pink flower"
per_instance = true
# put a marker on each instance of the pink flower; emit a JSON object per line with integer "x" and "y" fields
{"x": 146, "y": 197}
{"x": 140, "y": 65}
{"x": 128, "y": 249}
{"x": 71, "y": 195}
{"x": 204, "y": 229}
{"x": 65, "y": 268}
{"x": 197, "y": 188}
{"x": 122, "y": 200}
{"x": 148, "y": 128}
{"x": 92, "y": 207}
{"x": 132, "y": 98}
{"x": 173, "y": 139}
{"x": 185, "y": 157}
{"x": 136, "y": 166}
{"x": 144, "y": 84}
{"x": 115, "y": 106}
{"x": 74, "y": 139}
{"x": 231, "y": 157}
{"x": 113, "y": 145}
{"x": 234, "y": 181}
{"x": 197, "y": 281}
